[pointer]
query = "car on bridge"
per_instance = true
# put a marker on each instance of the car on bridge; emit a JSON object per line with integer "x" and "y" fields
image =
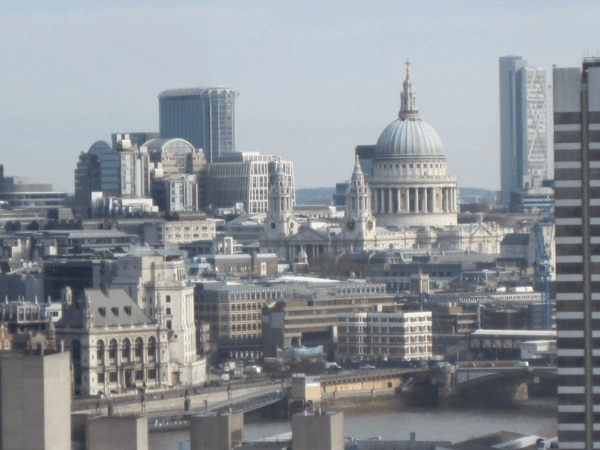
{"x": 366, "y": 367}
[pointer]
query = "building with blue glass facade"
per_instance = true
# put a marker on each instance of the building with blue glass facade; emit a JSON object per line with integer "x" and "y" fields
{"x": 203, "y": 116}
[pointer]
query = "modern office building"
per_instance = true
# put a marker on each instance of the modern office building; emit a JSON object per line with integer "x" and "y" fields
{"x": 204, "y": 116}
{"x": 244, "y": 178}
{"x": 180, "y": 194}
{"x": 577, "y": 210}
{"x": 122, "y": 172}
{"x": 384, "y": 333}
{"x": 113, "y": 180}
{"x": 174, "y": 157}
{"x": 17, "y": 193}
{"x": 132, "y": 139}
{"x": 523, "y": 127}
{"x": 172, "y": 233}
{"x": 178, "y": 174}
{"x": 307, "y": 314}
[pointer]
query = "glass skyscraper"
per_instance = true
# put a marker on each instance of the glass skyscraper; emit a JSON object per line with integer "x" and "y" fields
{"x": 205, "y": 117}
{"x": 523, "y": 126}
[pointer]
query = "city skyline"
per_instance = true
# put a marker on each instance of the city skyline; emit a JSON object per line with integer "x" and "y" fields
{"x": 312, "y": 86}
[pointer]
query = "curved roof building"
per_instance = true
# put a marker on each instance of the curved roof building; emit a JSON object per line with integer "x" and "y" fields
{"x": 409, "y": 182}
{"x": 176, "y": 156}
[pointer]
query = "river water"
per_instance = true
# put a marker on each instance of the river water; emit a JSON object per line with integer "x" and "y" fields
{"x": 392, "y": 422}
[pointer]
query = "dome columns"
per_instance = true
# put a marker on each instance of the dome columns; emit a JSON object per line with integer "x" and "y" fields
{"x": 414, "y": 200}
{"x": 409, "y": 180}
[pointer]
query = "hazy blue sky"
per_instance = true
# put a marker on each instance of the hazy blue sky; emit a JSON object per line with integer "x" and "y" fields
{"x": 315, "y": 78}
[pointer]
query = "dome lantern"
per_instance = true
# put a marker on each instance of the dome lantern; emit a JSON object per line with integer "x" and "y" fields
{"x": 409, "y": 136}
{"x": 408, "y": 98}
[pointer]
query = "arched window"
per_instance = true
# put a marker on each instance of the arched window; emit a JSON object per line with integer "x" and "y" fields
{"x": 126, "y": 350}
{"x": 112, "y": 351}
{"x": 100, "y": 352}
{"x": 151, "y": 349}
{"x": 139, "y": 348}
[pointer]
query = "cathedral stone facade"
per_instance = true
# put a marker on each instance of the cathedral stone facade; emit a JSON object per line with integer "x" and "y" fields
{"x": 409, "y": 181}
{"x": 408, "y": 201}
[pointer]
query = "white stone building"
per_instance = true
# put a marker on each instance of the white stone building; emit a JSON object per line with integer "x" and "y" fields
{"x": 285, "y": 235}
{"x": 408, "y": 201}
{"x": 402, "y": 335}
{"x": 409, "y": 180}
{"x": 115, "y": 347}
{"x": 168, "y": 233}
{"x": 158, "y": 283}
{"x": 244, "y": 178}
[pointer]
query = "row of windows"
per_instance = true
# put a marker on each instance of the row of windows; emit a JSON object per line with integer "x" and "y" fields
{"x": 384, "y": 350}
{"x": 386, "y": 339}
{"x": 575, "y": 193}
{"x": 576, "y": 306}
{"x": 572, "y": 249}
{"x": 240, "y": 337}
{"x": 138, "y": 376}
{"x": 126, "y": 350}
{"x": 576, "y": 344}
{"x": 232, "y": 307}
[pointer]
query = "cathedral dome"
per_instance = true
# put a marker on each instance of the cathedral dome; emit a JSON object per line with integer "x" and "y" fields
{"x": 408, "y": 135}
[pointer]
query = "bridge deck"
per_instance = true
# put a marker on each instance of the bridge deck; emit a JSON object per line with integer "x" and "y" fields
{"x": 181, "y": 419}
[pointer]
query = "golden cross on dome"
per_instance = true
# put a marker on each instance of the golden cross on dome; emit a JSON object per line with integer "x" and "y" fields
{"x": 357, "y": 159}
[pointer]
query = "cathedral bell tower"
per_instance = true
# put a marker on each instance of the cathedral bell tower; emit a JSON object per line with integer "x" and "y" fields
{"x": 280, "y": 222}
{"x": 359, "y": 221}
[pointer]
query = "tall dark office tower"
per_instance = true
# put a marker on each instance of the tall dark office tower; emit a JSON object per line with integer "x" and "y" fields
{"x": 577, "y": 175}
{"x": 523, "y": 140}
{"x": 205, "y": 117}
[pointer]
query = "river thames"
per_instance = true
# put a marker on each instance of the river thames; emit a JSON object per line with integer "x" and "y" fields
{"x": 390, "y": 422}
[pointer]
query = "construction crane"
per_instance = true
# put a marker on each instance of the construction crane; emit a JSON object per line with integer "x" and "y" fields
{"x": 543, "y": 271}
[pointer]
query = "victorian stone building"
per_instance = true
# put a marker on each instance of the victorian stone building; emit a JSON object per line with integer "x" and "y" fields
{"x": 158, "y": 285}
{"x": 115, "y": 347}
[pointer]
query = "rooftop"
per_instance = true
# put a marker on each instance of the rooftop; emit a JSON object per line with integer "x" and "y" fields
{"x": 194, "y": 91}
{"x": 110, "y": 309}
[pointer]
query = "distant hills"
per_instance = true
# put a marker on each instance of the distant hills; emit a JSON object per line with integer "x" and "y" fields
{"x": 315, "y": 196}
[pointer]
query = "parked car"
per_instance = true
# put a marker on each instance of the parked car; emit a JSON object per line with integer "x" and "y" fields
{"x": 331, "y": 366}
{"x": 254, "y": 369}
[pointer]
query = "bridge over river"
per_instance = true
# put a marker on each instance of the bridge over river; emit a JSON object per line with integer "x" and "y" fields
{"x": 167, "y": 421}
{"x": 165, "y": 408}
{"x": 472, "y": 376}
